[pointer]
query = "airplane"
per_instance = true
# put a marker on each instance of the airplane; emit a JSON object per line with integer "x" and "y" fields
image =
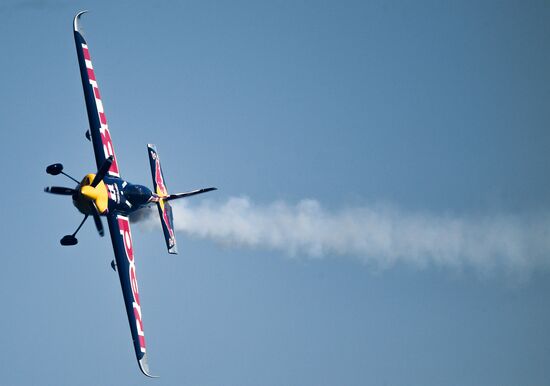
{"x": 106, "y": 194}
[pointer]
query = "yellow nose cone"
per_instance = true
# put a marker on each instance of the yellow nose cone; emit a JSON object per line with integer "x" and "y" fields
{"x": 89, "y": 192}
{"x": 98, "y": 195}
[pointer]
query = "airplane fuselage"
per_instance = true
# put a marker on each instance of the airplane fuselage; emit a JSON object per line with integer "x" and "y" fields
{"x": 112, "y": 195}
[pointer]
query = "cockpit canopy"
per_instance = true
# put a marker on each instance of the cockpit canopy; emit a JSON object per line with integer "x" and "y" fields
{"x": 137, "y": 195}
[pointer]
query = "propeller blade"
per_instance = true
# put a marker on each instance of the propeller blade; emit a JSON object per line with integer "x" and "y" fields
{"x": 97, "y": 219}
{"x": 102, "y": 171}
{"x": 59, "y": 190}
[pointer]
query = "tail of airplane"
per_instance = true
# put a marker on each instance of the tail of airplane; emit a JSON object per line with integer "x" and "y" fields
{"x": 165, "y": 210}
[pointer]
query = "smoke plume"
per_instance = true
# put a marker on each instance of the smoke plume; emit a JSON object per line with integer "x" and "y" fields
{"x": 378, "y": 235}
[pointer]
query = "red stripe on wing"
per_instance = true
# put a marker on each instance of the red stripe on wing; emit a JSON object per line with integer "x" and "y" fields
{"x": 91, "y": 74}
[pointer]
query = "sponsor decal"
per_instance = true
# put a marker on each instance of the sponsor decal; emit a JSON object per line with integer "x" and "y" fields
{"x": 161, "y": 190}
{"x": 166, "y": 218}
{"x": 114, "y": 193}
{"x": 124, "y": 226}
{"x": 108, "y": 148}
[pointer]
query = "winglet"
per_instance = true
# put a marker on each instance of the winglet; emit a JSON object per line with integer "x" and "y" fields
{"x": 144, "y": 367}
{"x": 75, "y": 20}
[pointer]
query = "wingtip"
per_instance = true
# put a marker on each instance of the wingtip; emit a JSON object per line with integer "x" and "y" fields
{"x": 76, "y": 18}
{"x": 144, "y": 367}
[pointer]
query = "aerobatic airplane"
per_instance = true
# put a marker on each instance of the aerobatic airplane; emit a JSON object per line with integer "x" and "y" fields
{"x": 107, "y": 194}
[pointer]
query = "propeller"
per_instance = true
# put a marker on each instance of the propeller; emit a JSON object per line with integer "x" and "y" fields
{"x": 56, "y": 169}
{"x": 103, "y": 169}
{"x": 97, "y": 219}
{"x": 59, "y": 190}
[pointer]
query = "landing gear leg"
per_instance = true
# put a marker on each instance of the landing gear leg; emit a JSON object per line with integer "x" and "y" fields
{"x": 68, "y": 240}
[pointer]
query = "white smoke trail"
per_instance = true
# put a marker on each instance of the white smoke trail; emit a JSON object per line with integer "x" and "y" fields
{"x": 379, "y": 236}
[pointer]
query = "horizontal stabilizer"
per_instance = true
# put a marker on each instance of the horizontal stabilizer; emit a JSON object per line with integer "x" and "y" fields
{"x": 165, "y": 210}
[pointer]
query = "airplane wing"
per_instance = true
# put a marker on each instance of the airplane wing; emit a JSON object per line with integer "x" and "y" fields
{"x": 119, "y": 227}
{"x": 99, "y": 130}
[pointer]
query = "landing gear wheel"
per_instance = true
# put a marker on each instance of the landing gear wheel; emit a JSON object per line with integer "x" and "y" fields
{"x": 68, "y": 240}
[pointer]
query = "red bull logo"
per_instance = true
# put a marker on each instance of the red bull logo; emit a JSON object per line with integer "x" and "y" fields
{"x": 162, "y": 191}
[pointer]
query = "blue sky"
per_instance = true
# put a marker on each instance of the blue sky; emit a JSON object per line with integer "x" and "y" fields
{"x": 431, "y": 109}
